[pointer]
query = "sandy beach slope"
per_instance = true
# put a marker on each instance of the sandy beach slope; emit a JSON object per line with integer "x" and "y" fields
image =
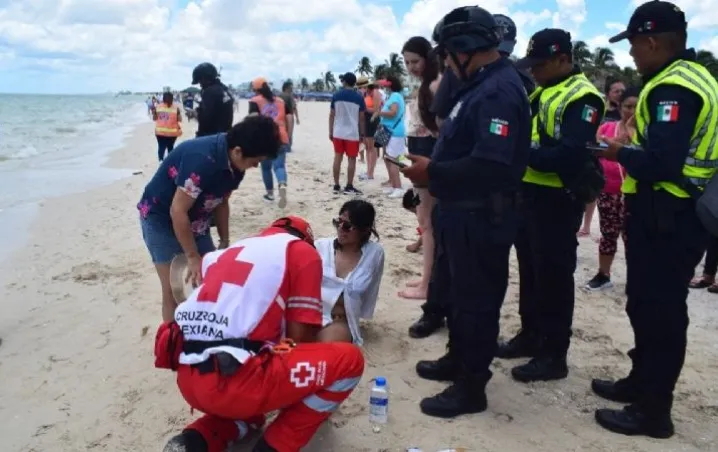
{"x": 80, "y": 307}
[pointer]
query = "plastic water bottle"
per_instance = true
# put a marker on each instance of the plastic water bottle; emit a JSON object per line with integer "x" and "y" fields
{"x": 379, "y": 402}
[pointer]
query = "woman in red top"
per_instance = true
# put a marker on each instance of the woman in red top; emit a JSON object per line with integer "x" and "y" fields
{"x": 611, "y": 210}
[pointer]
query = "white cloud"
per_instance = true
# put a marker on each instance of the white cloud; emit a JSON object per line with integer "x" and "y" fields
{"x": 570, "y": 16}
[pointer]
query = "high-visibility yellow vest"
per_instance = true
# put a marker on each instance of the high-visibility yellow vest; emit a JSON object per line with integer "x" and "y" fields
{"x": 167, "y": 122}
{"x": 702, "y": 159}
{"x": 553, "y": 102}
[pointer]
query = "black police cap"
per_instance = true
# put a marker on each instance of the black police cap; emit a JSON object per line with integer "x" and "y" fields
{"x": 546, "y": 44}
{"x": 468, "y": 29}
{"x": 653, "y": 17}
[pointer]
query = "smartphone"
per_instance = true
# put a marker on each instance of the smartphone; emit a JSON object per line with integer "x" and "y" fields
{"x": 596, "y": 147}
{"x": 396, "y": 162}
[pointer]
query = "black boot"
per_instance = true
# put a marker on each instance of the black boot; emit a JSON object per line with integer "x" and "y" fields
{"x": 541, "y": 369}
{"x": 633, "y": 421}
{"x": 465, "y": 396}
{"x": 427, "y": 325}
{"x": 525, "y": 344}
{"x": 187, "y": 441}
{"x": 622, "y": 391}
{"x": 443, "y": 369}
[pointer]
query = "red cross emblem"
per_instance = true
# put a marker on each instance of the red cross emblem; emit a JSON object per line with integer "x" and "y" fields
{"x": 302, "y": 374}
{"x": 227, "y": 269}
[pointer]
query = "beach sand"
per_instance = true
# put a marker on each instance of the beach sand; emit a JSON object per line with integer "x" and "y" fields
{"x": 81, "y": 305}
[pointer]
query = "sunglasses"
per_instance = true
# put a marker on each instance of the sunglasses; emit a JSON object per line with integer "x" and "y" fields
{"x": 343, "y": 224}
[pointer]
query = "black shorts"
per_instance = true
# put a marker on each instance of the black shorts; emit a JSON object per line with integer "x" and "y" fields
{"x": 422, "y": 146}
{"x": 370, "y": 125}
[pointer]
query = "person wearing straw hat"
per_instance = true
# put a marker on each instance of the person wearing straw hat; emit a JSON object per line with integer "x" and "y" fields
{"x": 234, "y": 361}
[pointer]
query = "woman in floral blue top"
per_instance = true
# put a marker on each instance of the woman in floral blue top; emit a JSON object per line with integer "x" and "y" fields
{"x": 192, "y": 185}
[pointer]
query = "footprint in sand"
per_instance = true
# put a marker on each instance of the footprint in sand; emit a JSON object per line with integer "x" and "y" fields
{"x": 95, "y": 273}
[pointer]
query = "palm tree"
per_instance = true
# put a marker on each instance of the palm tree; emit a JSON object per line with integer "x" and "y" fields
{"x": 364, "y": 67}
{"x": 381, "y": 71}
{"x": 318, "y": 85}
{"x": 304, "y": 84}
{"x": 329, "y": 81}
{"x": 629, "y": 76}
{"x": 395, "y": 64}
{"x": 582, "y": 54}
{"x": 707, "y": 59}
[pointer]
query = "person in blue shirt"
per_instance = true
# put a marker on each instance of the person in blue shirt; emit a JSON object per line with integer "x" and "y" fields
{"x": 475, "y": 174}
{"x": 392, "y": 117}
{"x": 192, "y": 186}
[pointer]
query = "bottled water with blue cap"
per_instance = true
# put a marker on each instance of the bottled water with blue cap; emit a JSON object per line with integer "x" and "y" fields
{"x": 379, "y": 402}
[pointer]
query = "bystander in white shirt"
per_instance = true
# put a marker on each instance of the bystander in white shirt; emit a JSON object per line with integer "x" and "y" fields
{"x": 360, "y": 288}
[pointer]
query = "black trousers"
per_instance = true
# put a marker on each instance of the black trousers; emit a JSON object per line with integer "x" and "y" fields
{"x": 710, "y": 267}
{"x": 661, "y": 257}
{"x": 164, "y": 144}
{"x": 472, "y": 268}
{"x": 435, "y": 303}
{"x": 546, "y": 250}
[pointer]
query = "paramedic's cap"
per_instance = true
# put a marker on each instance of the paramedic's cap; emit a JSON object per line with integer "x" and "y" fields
{"x": 544, "y": 45}
{"x": 349, "y": 78}
{"x": 258, "y": 82}
{"x": 508, "y": 33}
{"x": 653, "y": 17}
{"x": 296, "y": 226}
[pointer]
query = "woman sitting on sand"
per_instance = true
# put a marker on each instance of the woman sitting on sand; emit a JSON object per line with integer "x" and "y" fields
{"x": 193, "y": 185}
{"x": 353, "y": 267}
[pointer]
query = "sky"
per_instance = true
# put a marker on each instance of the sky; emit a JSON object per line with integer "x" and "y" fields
{"x": 90, "y": 46}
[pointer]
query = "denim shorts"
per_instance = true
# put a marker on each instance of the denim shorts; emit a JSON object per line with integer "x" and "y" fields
{"x": 162, "y": 243}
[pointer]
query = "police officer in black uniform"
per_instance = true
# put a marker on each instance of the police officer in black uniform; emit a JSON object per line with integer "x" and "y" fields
{"x": 434, "y": 310}
{"x": 475, "y": 174}
{"x": 216, "y": 110}
{"x": 674, "y": 156}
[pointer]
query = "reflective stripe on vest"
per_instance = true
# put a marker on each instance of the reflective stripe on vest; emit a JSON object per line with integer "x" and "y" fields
{"x": 275, "y": 110}
{"x": 702, "y": 160}
{"x": 167, "y": 123}
{"x": 553, "y": 102}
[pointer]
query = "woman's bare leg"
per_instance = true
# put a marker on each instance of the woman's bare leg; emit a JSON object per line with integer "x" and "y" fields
{"x": 371, "y": 157}
{"x": 587, "y": 219}
{"x": 168, "y": 300}
{"x": 335, "y": 332}
{"x": 423, "y": 213}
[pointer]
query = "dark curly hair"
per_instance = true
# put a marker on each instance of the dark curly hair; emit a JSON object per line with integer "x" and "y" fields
{"x": 422, "y": 47}
{"x": 361, "y": 215}
{"x": 257, "y": 136}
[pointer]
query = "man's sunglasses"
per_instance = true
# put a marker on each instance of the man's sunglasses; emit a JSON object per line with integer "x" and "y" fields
{"x": 343, "y": 224}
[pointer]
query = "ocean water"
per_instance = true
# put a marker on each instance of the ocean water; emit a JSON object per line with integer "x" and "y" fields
{"x": 55, "y": 145}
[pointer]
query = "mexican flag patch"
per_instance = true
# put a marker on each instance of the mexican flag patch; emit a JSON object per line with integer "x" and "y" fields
{"x": 499, "y": 127}
{"x": 589, "y": 114}
{"x": 667, "y": 113}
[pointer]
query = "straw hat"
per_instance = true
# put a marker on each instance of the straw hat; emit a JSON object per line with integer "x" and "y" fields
{"x": 363, "y": 82}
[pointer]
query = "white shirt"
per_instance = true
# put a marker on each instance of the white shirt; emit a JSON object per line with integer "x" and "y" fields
{"x": 360, "y": 287}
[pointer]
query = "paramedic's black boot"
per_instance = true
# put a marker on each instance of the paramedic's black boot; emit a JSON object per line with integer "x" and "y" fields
{"x": 262, "y": 446}
{"x": 465, "y": 396}
{"x": 187, "y": 441}
{"x": 443, "y": 369}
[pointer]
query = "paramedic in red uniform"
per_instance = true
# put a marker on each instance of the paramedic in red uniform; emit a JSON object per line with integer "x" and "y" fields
{"x": 234, "y": 364}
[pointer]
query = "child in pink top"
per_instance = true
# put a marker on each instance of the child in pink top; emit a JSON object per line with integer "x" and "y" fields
{"x": 611, "y": 209}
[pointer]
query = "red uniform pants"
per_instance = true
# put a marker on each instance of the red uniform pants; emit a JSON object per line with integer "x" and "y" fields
{"x": 307, "y": 384}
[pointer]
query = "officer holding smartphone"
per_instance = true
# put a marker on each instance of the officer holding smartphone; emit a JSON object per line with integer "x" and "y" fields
{"x": 475, "y": 174}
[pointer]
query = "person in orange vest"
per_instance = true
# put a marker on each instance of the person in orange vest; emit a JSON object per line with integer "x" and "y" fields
{"x": 265, "y": 103}
{"x": 167, "y": 125}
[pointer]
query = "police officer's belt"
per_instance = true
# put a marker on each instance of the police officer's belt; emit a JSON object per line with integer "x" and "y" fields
{"x": 225, "y": 363}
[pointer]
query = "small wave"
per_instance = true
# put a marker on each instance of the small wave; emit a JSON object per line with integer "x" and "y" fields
{"x": 25, "y": 152}
{"x": 66, "y": 130}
